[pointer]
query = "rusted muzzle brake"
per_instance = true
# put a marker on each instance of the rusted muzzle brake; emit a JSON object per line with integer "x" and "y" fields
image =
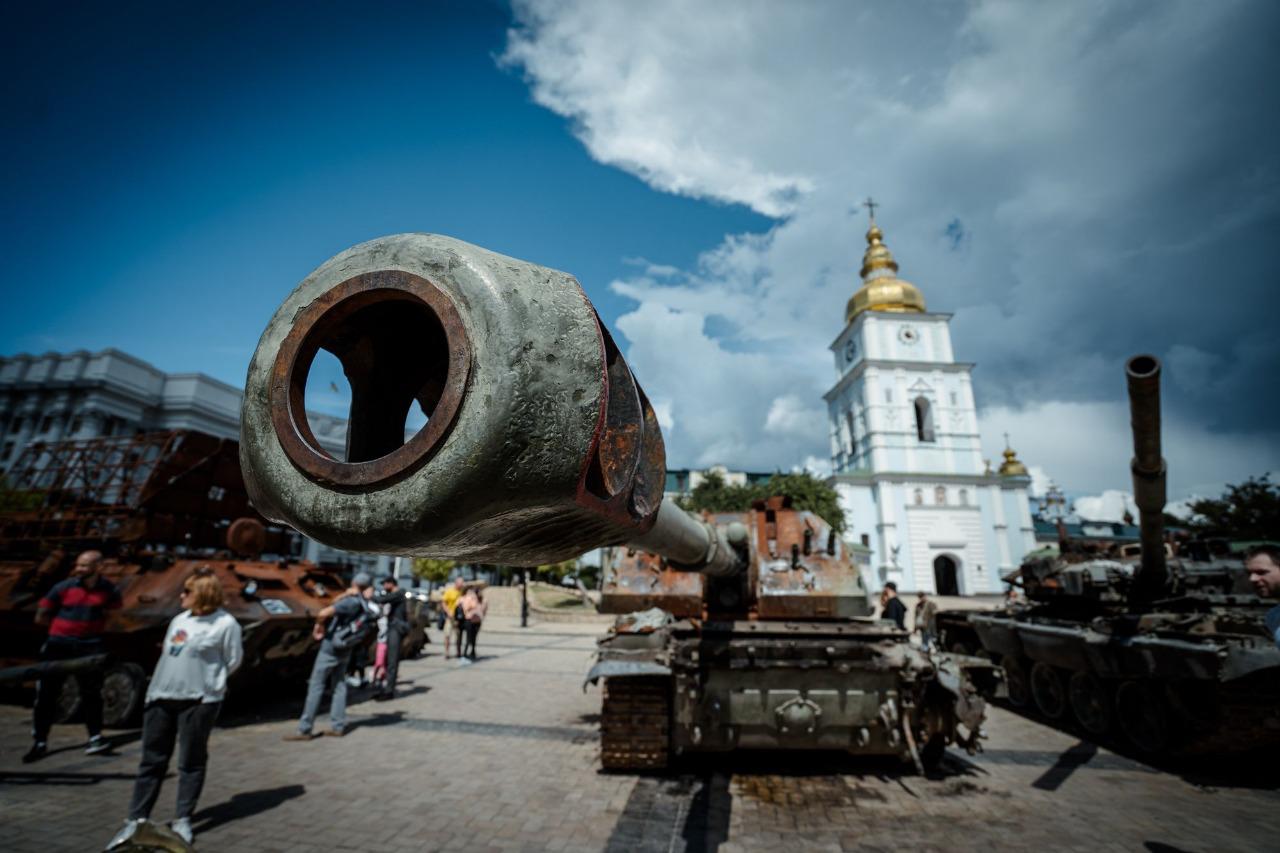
{"x": 538, "y": 446}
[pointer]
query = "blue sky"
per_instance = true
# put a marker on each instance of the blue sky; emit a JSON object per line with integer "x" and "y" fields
{"x": 1075, "y": 182}
{"x": 172, "y": 175}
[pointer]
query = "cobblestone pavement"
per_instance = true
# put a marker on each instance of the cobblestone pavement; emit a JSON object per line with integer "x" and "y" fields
{"x": 501, "y": 755}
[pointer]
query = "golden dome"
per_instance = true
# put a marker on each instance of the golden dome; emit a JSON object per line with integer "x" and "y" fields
{"x": 1012, "y": 466}
{"x": 882, "y": 290}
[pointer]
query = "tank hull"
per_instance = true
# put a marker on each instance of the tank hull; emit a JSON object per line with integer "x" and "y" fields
{"x": 854, "y": 686}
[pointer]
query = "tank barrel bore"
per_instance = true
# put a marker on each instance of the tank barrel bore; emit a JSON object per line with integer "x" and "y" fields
{"x": 1148, "y": 467}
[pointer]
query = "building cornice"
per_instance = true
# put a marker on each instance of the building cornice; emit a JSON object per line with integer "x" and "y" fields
{"x": 893, "y": 315}
{"x": 869, "y": 478}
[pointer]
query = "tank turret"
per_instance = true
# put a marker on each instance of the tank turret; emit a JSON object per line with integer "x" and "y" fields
{"x": 739, "y": 630}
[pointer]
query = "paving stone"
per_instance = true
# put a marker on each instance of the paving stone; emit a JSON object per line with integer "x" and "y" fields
{"x": 501, "y": 755}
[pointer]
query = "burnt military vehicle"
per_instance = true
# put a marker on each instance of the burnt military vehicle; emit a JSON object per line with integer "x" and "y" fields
{"x": 539, "y": 445}
{"x": 1163, "y": 645}
{"x": 159, "y": 506}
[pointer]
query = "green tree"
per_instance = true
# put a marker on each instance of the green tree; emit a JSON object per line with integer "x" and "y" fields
{"x": 808, "y": 492}
{"x": 431, "y": 570}
{"x": 1250, "y": 510}
{"x": 805, "y": 490}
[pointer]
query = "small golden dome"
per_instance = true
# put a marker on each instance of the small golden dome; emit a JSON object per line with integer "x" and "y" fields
{"x": 881, "y": 289}
{"x": 1012, "y": 466}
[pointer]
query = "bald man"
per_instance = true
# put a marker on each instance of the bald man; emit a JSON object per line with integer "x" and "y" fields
{"x": 76, "y": 612}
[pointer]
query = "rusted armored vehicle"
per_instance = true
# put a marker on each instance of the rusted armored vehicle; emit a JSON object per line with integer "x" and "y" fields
{"x": 540, "y": 445}
{"x": 1164, "y": 645}
{"x": 158, "y": 506}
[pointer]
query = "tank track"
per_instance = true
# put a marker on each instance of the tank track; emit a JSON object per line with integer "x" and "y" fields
{"x": 635, "y": 723}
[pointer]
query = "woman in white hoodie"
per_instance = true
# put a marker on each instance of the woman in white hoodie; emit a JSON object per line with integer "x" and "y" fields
{"x": 202, "y": 647}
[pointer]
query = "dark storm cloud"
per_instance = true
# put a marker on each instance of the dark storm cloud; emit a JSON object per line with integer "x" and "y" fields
{"x": 1076, "y": 182}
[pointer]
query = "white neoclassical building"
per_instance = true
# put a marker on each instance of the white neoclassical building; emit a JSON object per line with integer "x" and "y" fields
{"x": 905, "y": 446}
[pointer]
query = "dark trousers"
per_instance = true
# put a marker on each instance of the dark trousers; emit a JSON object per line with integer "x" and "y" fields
{"x": 188, "y": 721}
{"x": 473, "y": 628}
{"x": 460, "y": 629}
{"x": 393, "y": 657}
{"x": 50, "y": 685}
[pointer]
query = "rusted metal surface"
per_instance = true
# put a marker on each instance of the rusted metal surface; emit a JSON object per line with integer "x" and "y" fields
{"x": 159, "y": 506}
{"x": 555, "y": 450}
{"x": 367, "y": 323}
{"x": 551, "y": 447}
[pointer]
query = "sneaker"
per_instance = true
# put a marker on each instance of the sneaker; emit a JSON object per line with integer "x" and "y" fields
{"x": 335, "y": 733}
{"x": 122, "y": 837}
{"x": 182, "y": 828}
{"x": 97, "y": 744}
{"x": 35, "y": 753}
{"x": 301, "y": 736}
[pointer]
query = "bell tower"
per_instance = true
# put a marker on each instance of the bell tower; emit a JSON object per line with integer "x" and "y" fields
{"x": 905, "y": 447}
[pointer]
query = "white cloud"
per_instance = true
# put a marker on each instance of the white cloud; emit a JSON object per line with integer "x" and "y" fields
{"x": 1111, "y": 505}
{"x": 1058, "y": 176}
{"x": 1087, "y": 447}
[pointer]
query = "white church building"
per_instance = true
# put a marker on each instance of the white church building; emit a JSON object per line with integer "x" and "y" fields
{"x": 906, "y": 453}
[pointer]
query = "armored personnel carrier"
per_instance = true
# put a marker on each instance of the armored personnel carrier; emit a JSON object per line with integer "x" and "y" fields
{"x": 540, "y": 445}
{"x": 159, "y": 506}
{"x": 1163, "y": 644}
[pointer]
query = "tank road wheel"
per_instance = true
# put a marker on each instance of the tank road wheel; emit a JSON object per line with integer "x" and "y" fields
{"x": 1143, "y": 717}
{"x": 68, "y": 707}
{"x": 635, "y": 723}
{"x": 1049, "y": 690}
{"x": 1015, "y": 679}
{"x": 1090, "y": 702}
{"x": 123, "y": 688}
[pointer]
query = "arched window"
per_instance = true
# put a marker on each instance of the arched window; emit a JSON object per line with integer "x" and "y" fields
{"x": 940, "y": 495}
{"x": 924, "y": 420}
{"x": 848, "y": 419}
{"x": 964, "y": 497}
{"x": 919, "y": 497}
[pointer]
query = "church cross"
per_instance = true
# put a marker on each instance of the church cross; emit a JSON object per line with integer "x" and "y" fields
{"x": 871, "y": 205}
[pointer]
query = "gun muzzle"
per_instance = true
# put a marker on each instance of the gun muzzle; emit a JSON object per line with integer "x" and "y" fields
{"x": 538, "y": 444}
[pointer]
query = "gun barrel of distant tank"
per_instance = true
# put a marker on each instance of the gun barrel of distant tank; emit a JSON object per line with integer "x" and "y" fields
{"x": 539, "y": 444}
{"x": 1148, "y": 467}
{"x": 693, "y": 545}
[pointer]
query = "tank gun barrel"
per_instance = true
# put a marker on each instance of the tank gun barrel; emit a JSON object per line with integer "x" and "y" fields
{"x": 539, "y": 444}
{"x": 693, "y": 545}
{"x": 1148, "y": 467}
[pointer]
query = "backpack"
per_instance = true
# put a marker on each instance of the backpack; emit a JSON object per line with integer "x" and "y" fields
{"x": 357, "y": 631}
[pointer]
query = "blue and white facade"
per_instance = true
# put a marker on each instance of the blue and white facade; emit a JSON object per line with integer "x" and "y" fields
{"x": 908, "y": 461}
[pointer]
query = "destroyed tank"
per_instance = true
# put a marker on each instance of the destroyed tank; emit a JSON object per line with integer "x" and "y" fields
{"x": 159, "y": 506}
{"x": 538, "y": 446}
{"x": 1164, "y": 645}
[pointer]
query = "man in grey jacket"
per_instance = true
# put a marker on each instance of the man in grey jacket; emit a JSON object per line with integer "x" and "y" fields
{"x": 330, "y": 666}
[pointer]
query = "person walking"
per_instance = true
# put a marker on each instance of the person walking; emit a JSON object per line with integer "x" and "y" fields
{"x": 926, "y": 621}
{"x": 891, "y": 607}
{"x": 75, "y": 611}
{"x": 380, "y": 656}
{"x": 202, "y": 648}
{"x": 330, "y": 667}
{"x": 474, "y": 608}
{"x": 394, "y": 599}
{"x": 449, "y": 604}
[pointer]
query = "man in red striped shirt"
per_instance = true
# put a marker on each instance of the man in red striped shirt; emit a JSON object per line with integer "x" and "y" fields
{"x": 75, "y": 611}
